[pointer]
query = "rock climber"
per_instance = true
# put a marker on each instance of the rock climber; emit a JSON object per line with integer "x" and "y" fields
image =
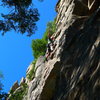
{"x": 50, "y": 45}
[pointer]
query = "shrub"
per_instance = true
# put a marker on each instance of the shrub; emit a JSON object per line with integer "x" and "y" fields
{"x": 19, "y": 94}
{"x": 31, "y": 74}
{"x": 39, "y": 45}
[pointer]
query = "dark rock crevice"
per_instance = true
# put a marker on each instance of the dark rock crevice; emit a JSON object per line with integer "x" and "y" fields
{"x": 79, "y": 48}
{"x": 73, "y": 73}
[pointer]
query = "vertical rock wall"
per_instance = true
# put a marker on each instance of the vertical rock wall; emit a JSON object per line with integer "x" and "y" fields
{"x": 73, "y": 69}
{"x": 79, "y": 27}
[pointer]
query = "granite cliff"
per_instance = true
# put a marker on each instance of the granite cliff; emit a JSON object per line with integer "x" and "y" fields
{"x": 73, "y": 69}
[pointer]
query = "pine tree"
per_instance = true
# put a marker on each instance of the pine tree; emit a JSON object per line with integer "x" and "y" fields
{"x": 22, "y": 17}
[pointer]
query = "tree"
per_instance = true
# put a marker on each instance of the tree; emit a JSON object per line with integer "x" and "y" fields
{"x": 21, "y": 18}
{"x": 39, "y": 45}
{"x": 3, "y": 95}
{"x": 51, "y": 28}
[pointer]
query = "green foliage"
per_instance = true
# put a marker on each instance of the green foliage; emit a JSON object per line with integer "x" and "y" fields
{"x": 20, "y": 93}
{"x": 31, "y": 74}
{"x": 39, "y": 45}
{"x": 3, "y": 95}
{"x": 22, "y": 17}
{"x": 51, "y": 28}
{"x": 11, "y": 91}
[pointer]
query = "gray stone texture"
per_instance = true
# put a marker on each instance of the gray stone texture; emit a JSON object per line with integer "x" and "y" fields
{"x": 73, "y": 73}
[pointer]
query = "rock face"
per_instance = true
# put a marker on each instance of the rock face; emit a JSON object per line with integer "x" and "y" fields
{"x": 44, "y": 87}
{"x": 34, "y": 84}
{"x": 22, "y": 81}
{"x": 73, "y": 73}
{"x": 27, "y": 72}
{"x": 15, "y": 86}
{"x": 73, "y": 70}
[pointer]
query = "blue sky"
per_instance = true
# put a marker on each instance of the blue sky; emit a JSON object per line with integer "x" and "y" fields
{"x": 15, "y": 49}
